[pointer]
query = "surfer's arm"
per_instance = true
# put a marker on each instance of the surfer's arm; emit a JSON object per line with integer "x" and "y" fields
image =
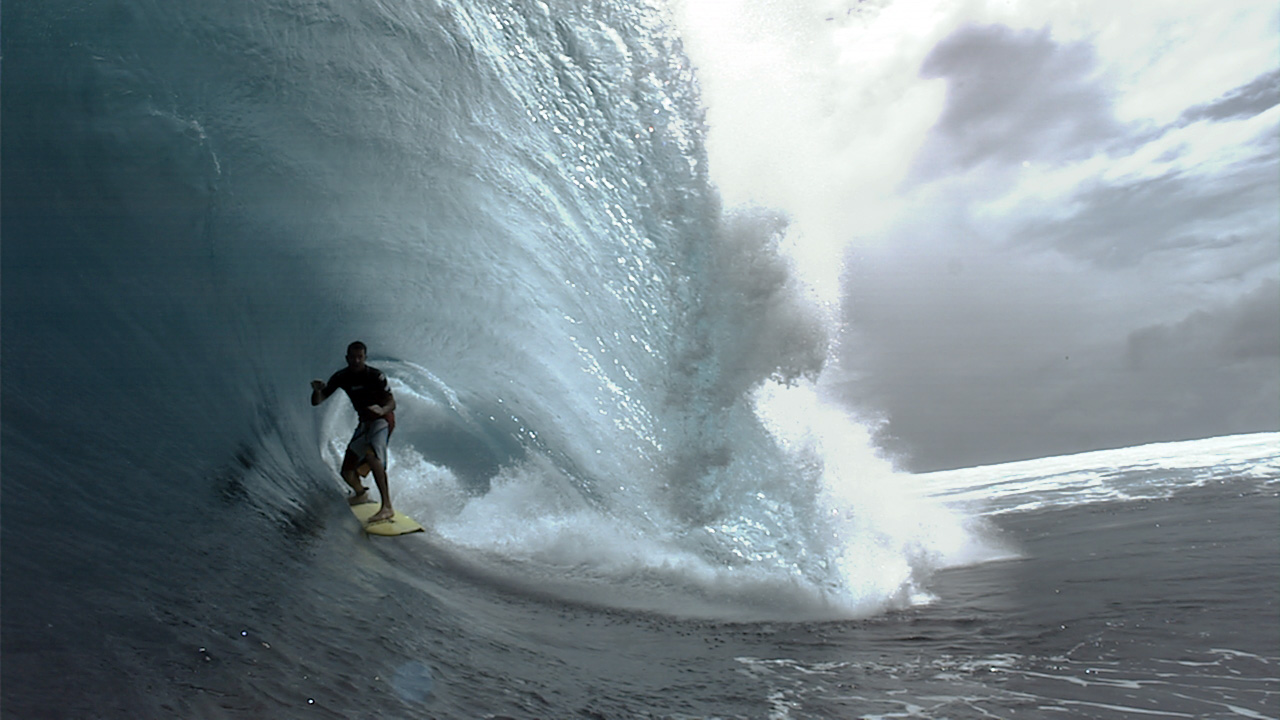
{"x": 387, "y": 406}
{"x": 319, "y": 392}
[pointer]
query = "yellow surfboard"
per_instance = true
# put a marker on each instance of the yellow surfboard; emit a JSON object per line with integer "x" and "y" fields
{"x": 399, "y": 524}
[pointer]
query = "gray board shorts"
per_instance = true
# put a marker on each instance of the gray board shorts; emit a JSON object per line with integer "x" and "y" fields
{"x": 370, "y": 435}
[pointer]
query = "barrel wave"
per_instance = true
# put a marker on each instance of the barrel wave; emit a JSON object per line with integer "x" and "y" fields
{"x": 599, "y": 368}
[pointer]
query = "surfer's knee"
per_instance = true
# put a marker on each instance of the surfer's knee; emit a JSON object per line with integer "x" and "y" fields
{"x": 349, "y": 463}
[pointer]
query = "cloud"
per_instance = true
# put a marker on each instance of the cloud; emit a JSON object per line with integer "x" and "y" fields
{"x": 1028, "y": 147}
{"x": 1241, "y": 333}
{"x": 1123, "y": 221}
{"x": 1004, "y": 391}
{"x": 1215, "y": 371}
{"x": 1119, "y": 289}
{"x": 1248, "y": 100}
{"x": 1015, "y": 96}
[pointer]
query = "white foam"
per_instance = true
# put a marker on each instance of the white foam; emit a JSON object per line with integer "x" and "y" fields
{"x": 866, "y": 541}
{"x": 1142, "y": 472}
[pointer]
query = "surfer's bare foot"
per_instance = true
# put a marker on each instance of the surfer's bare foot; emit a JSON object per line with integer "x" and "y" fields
{"x": 384, "y": 514}
{"x": 359, "y": 498}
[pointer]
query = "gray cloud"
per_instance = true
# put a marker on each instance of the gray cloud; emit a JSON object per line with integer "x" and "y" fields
{"x": 1014, "y": 96}
{"x": 978, "y": 346}
{"x": 1124, "y": 223}
{"x": 1242, "y": 333}
{"x": 1181, "y": 214}
{"x": 1215, "y": 372}
{"x": 1140, "y": 307}
{"x": 1253, "y": 98}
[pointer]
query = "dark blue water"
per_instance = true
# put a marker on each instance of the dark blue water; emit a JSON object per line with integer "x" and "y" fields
{"x": 638, "y": 505}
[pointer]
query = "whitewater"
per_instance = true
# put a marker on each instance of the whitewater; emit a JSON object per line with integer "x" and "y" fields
{"x": 639, "y": 502}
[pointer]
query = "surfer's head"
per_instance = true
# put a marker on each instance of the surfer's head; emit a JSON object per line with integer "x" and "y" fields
{"x": 356, "y": 355}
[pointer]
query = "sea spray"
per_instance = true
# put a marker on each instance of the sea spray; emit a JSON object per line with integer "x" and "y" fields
{"x": 754, "y": 497}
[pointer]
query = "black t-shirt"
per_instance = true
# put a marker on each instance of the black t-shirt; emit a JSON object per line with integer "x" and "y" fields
{"x": 364, "y": 387}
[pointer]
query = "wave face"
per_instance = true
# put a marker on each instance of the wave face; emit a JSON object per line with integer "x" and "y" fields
{"x": 604, "y": 378}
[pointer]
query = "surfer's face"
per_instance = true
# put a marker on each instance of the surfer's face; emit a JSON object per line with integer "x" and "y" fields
{"x": 355, "y": 359}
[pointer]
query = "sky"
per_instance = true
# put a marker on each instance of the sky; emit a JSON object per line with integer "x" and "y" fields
{"x": 1042, "y": 227}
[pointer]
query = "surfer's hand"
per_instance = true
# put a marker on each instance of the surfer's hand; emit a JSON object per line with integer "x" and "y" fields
{"x": 377, "y": 410}
{"x": 317, "y": 385}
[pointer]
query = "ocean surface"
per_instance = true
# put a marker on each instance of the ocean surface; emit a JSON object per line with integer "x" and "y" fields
{"x": 639, "y": 504}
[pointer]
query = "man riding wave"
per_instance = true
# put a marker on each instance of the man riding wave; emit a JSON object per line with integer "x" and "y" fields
{"x": 370, "y": 395}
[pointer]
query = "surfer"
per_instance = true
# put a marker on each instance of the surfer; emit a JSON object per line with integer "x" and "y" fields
{"x": 375, "y": 406}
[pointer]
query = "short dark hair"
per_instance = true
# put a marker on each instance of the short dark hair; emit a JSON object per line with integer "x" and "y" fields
{"x": 357, "y": 345}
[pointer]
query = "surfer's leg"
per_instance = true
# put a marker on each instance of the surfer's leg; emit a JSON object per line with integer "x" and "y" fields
{"x": 380, "y": 477}
{"x": 349, "y": 464}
